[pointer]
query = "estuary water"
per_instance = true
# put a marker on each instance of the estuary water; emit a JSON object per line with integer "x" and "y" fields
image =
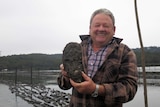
{"x": 7, "y": 99}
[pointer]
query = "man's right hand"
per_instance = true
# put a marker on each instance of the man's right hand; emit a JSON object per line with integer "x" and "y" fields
{"x": 64, "y": 73}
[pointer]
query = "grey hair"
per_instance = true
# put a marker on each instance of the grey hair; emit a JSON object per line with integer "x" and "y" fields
{"x": 104, "y": 11}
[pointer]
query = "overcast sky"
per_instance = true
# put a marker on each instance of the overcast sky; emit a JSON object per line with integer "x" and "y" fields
{"x": 45, "y": 26}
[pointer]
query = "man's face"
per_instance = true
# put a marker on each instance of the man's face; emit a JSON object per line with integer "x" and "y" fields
{"x": 101, "y": 29}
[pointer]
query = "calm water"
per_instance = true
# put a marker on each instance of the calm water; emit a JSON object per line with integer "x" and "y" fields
{"x": 7, "y": 99}
{"x": 153, "y": 97}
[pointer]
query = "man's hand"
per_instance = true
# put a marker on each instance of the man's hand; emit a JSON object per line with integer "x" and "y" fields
{"x": 64, "y": 73}
{"x": 86, "y": 87}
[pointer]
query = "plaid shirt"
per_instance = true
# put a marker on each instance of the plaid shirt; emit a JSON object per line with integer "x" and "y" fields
{"x": 95, "y": 59}
{"x": 118, "y": 73}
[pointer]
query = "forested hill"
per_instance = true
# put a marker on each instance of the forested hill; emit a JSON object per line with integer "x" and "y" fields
{"x": 152, "y": 55}
{"x": 47, "y": 62}
{"x": 26, "y": 61}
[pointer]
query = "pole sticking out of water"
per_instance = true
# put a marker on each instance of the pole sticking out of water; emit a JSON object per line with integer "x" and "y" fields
{"x": 142, "y": 56}
{"x": 15, "y": 77}
{"x": 31, "y": 76}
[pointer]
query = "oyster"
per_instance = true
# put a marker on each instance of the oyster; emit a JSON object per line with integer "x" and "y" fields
{"x": 72, "y": 61}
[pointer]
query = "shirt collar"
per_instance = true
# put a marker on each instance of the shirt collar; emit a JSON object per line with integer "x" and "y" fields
{"x": 110, "y": 42}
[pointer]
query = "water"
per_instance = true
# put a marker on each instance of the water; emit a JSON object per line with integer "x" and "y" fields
{"x": 153, "y": 97}
{"x": 7, "y": 99}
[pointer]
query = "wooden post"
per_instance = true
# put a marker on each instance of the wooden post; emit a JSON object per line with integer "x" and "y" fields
{"x": 31, "y": 83}
{"x": 15, "y": 81}
{"x": 142, "y": 56}
{"x": 31, "y": 76}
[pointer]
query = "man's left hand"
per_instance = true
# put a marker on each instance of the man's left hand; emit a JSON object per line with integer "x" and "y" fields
{"x": 85, "y": 87}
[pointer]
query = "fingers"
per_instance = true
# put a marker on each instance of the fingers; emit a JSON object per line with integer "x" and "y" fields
{"x": 85, "y": 87}
{"x": 61, "y": 67}
{"x": 64, "y": 73}
{"x": 75, "y": 84}
{"x": 72, "y": 82}
{"x": 85, "y": 76}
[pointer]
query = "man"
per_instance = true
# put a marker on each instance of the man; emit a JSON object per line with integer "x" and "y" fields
{"x": 110, "y": 70}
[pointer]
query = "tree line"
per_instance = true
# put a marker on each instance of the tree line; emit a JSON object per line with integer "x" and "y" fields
{"x": 152, "y": 56}
{"x": 52, "y": 62}
{"x": 26, "y": 61}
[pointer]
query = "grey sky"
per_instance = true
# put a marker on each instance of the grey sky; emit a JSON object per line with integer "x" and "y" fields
{"x": 45, "y": 26}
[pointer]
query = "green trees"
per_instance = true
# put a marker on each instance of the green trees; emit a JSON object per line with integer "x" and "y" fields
{"x": 152, "y": 56}
{"x": 36, "y": 61}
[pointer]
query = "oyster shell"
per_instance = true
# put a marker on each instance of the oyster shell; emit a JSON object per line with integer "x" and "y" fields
{"x": 72, "y": 61}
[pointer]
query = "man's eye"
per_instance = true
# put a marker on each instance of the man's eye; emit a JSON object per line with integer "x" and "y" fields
{"x": 106, "y": 26}
{"x": 97, "y": 25}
